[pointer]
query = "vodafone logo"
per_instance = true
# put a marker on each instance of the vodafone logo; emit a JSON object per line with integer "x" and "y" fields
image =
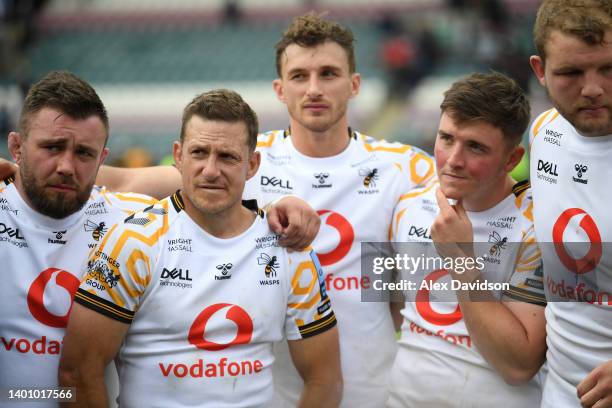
{"x": 52, "y": 284}
{"x": 347, "y": 236}
{"x": 198, "y": 330}
{"x": 589, "y": 261}
{"x": 423, "y": 303}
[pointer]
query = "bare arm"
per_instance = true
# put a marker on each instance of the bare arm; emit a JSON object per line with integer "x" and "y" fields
{"x": 91, "y": 342}
{"x": 7, "y": 168}
{"x": 317, "y": 359}
{"x": 157, "y": 181}
{"x": 511, "y": 336}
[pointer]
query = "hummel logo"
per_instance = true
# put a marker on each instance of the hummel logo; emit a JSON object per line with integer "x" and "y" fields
{"x": 321, "y": 177}
{"x": 224, "y": 268}
{"x": 580, "y": 170}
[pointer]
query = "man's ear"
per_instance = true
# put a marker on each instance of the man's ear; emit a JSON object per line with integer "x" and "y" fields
{"x": 15, "y": 144}
{"x": 514, "y": 158}
{"x": 355, "y": 84}
{"x": 177, "y": 150}
{"x": 537, "y": 65}
{"x": 254, "y": 162}
{"x": 103, "y": 156}
{"x": 277, "y": 85}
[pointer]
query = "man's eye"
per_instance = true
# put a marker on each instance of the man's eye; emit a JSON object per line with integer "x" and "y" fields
{"x": 228, "y": 156}
{"x": 569, "y": 73}
{"x": 477, "y": 148}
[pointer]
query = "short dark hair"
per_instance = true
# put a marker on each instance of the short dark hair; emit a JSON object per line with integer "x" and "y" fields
{"x": 64, "y": 91}
{"x": 492, "y": 98}
{"x": 226, "y": 106}
{"x": 310, "y": 30}
{"x": 587, "y": 20}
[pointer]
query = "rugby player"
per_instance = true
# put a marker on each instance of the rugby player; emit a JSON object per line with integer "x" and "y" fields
{"x": 351, "y": 179}
{"x": 189, "y": 294}
{"x": 570, "y": 175}
{"x": 51, "y": 216}
{"x": 461, "y": 352}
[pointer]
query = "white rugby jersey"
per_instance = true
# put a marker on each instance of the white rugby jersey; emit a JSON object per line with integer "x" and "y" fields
{"x": 571, "y": 176}
{"x": 437, "y": 363}
{"x": 203, "y": 311}
{"x": 43, "y": 260}
{"x": 354, "y": 192}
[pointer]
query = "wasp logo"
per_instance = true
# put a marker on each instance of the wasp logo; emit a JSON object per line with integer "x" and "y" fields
{"x": 580, "y": 170}
{"x": 97, "y": 230}
{"x": 498, "y": 242}
{"x": 369, "y": 176}
{"x": 322, "y": 177}
{"x": 224, "y": 268}
{"x": 270, "y": 262}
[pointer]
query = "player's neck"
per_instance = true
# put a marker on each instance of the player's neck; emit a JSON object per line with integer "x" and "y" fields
{"x": 225, "y": 224}
{"x": 493, "y": 197}
{"x": 320, "y": 144}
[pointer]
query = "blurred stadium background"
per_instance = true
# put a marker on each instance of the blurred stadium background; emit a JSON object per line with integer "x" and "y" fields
{"x": 148, "y": 58}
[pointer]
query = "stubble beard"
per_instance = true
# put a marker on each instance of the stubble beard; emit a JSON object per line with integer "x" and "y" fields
{"x": 586, "y": 129}
{"x": 52, "y": 204}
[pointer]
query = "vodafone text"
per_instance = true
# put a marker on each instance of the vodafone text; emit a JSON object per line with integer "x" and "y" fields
{"x": 578, "y": 293}
{"x": 42, "y": 345}
{"x": 222, "y": 368}
{"x": 333, "y": 282}
{"x": 459, "y": 339}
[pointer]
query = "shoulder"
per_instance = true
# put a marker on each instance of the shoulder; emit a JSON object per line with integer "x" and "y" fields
{"x": 417, "y": 205}
{"x": 541, "y": 122}
{"x": 6, "y": 182}
{"x": 270, "y": 139}
{"x": 147, "y": 227}
{"x": 392, "y": 149}
{"x": 408, "y": 159}
{"x": 523, "y": 200}
{"x": 122, "y": 201}
{"x": 418, "y": 196}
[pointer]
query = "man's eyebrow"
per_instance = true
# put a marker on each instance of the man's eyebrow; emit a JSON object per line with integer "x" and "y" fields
{"x": 53, "y": 140}
{"x": 85, "y": 147}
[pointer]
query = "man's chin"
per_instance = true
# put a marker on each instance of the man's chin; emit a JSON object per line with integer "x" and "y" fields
{"x": 452, "y": 192}
{"x": 59, "y": 209}
{"x": 210, "y": 207}
{"x": 588, "y": 128}
{"x": 588, "y": 124}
